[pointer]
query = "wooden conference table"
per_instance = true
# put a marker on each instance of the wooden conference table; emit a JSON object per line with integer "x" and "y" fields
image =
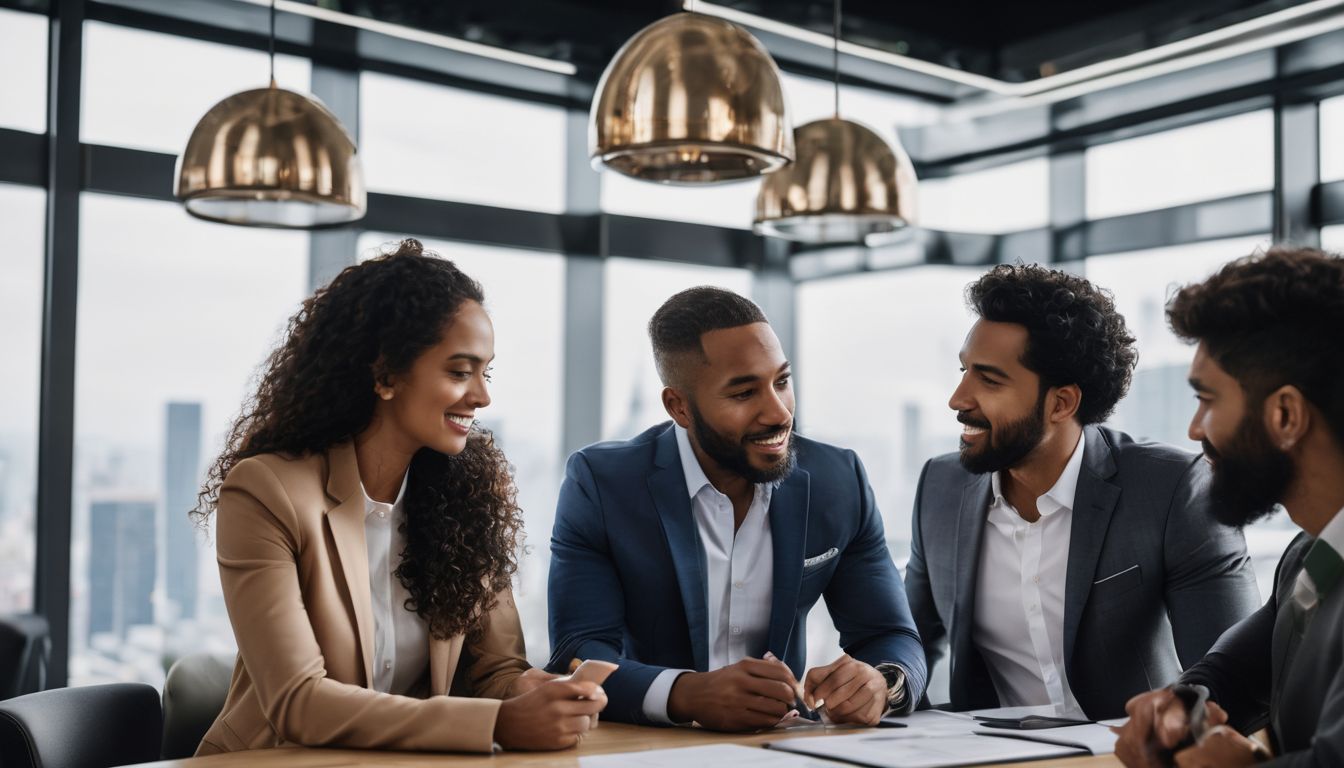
{"x": 607, "y": 738}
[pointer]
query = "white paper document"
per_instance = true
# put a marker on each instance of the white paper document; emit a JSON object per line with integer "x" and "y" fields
{"x": 1097, "y": 739}
{"x": 894, "y": 749}
{"x": 709, "y": 756}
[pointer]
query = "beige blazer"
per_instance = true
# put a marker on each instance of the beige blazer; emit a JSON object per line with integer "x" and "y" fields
{"x": 295, "y": 573}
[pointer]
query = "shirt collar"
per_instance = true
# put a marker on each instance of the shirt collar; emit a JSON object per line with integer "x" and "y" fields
{"x": 1333, "y": 533}
{"x": 690, "y": 465}
{"x": 1062, "y": 493}
{"x": 371, "y": 506}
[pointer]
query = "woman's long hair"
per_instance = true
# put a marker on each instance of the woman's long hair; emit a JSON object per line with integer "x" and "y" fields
{"x": 463, "y": 524}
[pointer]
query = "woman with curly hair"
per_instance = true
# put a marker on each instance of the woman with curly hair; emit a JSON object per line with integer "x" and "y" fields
{"x": 366, "y": 533}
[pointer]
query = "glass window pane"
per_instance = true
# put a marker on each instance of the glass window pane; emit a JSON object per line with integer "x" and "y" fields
{"x": 1332, "y": 238}
{"x": 811, "y": 99}
{"x": 524, "y": 293}
{"x": 168, "y": 340}
{"x": 1210, "y": 160}
{"x": 634, "y": 289}
{"x": 23, "y": 57}
{"x": 22, "y": 243}
{"x": 1332, "y": 139}
{"x": 148, "y": 90}
{"x": 1009, "y": 198}
{"x": 430, "y": 140}
{"x": 1160, "y": 403}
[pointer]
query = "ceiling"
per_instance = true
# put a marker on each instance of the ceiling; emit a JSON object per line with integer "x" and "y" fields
{"x": 1011, "y": 42}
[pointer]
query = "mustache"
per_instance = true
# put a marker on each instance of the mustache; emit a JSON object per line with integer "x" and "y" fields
{"x": 1209, "y": 450}
{"x": 771, "y": 432}
{"x": 970, "y": 422}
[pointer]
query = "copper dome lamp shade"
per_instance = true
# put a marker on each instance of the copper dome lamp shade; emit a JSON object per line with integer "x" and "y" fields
{"x": 847, "y": 184}
{"x": 690, "y": 99}
{"x": 271, "y": 157}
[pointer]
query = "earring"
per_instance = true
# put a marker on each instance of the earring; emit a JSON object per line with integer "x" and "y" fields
{"x": 386, "y": 394}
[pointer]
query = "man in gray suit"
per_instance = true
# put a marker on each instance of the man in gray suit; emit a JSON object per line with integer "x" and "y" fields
{"x": 1267, "y": 374}
{"x": 1062, "y": 562}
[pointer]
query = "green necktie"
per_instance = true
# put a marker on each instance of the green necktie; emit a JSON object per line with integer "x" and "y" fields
{"x": 1324, "y": 566}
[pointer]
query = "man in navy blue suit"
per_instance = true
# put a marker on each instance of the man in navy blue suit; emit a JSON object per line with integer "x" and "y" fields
{"x": 691, "y": 554}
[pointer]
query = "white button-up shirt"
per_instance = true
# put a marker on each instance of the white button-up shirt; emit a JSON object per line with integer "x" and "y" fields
{"x": 1019, "y": 595}
{"x": 740, "y": 568}
{"x": 1304, "y": 588}
{"x": 400, "y": 637}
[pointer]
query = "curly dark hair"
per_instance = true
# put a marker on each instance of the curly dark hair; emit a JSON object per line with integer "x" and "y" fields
{"x": 675, "y": 329}
{"x": 1074, "y": 333}
{"x": 463, "y": 525}
{"x": 1271, "y": 319}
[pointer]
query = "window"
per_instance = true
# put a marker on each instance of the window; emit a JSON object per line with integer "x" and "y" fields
{"x": 634, "y": 290}
{"x": 147, "y": 90}
{"x": 23, "y": 55}
{"x": 175, "y": 316}
{"x": 433, "y": 141}
{"x": 525, "y": 297}
{"x": 1220, "y": 158}
{"x": 1332, "y": 147}
{"x": 725, "y": 205}
{"x": 1160, "y": 403}
{"x": 22, "y": 215}
{"x": 1332, "y": 238}
{"x": 1009, "y": 198}
{"x": 811, "y": 99}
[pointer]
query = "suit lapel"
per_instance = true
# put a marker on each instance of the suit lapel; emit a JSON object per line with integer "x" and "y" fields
{"x": 667, "y": 486}
{"x": 346, "y": 521}
{"x": 975, "y": 499}
{"x": 443, "y": 658}
{"x": 1093, "y": 504}
{"x": 788, "y": 540}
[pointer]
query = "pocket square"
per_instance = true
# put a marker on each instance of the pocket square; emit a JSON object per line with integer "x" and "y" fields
{"x": 819, "y": 559}
{"x": 1116, "y": 575}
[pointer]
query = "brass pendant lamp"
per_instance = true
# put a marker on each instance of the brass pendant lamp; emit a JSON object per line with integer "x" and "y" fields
{"x": 690, "y": 99}
{"x": 271, "y": 157}
{"x": 846, "y": 185}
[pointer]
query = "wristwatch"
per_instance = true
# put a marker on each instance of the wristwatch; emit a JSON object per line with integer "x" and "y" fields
{"x": 894, "y": 674}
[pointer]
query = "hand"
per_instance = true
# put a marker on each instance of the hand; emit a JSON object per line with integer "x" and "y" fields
{"x": 533, "y": 677}
{"x": 1157, "y": 723}
{"x": 553, "y": 715}
{"x": 1221, "y": 746}
{"x": 747, "y": 696}
{"x": 852, "y": 691}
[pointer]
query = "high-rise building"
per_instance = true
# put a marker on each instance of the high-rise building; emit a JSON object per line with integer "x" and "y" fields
{"x": 122, "y": 564}
{"x": 181, "y": 480}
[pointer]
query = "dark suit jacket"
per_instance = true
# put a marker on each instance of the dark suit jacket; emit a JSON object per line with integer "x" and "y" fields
{"x": 1248, "y": 673}
{"x": 1152, "y": 580}
{"x": 627, "y": 580}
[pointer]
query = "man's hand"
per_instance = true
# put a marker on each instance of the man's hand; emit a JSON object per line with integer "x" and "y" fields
{"x": 1157, "y": 723}
{"x": 530, "y": 679}
{"x": 747, "y": 696}
{"x": 853, "y": 692}
{"x": 1221, "y": 747}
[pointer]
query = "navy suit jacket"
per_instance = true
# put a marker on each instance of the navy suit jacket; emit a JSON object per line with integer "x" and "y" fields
{"x": 627, "y": 579}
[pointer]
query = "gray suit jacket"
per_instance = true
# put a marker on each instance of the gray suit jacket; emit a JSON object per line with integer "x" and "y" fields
{"x": 1249, "y": 673}
{"x": 1152, "y": 579}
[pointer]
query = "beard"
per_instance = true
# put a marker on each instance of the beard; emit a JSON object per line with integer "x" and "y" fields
{"x": 732, "y": 454}
{"x": 1014, "y": 441}
{"x": 1250, "y": 475}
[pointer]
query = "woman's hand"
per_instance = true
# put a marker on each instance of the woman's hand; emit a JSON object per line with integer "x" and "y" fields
{"x": 553, "y": 715}
{"x": 533, "y": 677}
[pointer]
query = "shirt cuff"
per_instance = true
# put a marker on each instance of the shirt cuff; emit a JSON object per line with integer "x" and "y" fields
{"x": 655, "y": 699}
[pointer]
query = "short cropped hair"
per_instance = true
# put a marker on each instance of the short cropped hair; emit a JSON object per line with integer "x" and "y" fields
{"x": 677, "y": 326}
{"x": 1272, "y": 319}
{"x": 1074, "y": 333}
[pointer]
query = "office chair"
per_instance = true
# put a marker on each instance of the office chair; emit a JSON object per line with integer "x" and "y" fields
{"x": 193, "y": 696}
{"x": 96, "y": 726}
{"x": 25, "y": 648}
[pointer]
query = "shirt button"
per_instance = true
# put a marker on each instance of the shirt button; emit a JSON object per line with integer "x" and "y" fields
{"x": 1036, "y": 579}
{"x": 737, "y": 585}
{"x": 736, "y": 630}
{"x": 387, "y": 665}
{"x": 1032, "y": 608}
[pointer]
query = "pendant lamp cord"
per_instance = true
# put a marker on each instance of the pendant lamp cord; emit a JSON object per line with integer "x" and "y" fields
{"x": 271, "y": 44}
{"x": 835, "y": 58}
